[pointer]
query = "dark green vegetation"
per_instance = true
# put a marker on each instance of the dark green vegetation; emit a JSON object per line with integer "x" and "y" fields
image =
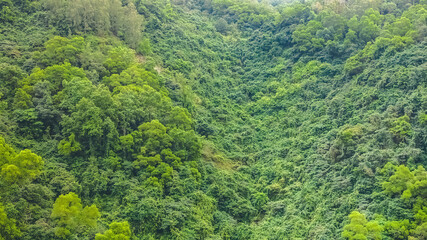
{"x": 213, "y": 119}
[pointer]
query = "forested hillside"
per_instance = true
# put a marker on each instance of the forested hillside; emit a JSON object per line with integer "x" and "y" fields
{"x": 213, "y": 119}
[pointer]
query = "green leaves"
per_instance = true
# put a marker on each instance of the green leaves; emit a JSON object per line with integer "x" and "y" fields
{"x": 400, "y": 27}
{"x": 117, "y": 231}
{"x": 399, "y": 181}
{"x": 119, "y": 59}
{"x": 59, "y": 50}
{"x": 10, "y": 75}
{"x": 304, "y": 36}
{"x": 154, "y": 137}
{"x": 67, "y": 147}
{"x": 162, "y": 151}
{"x": 134, "y": 75}
{"x": 360, "y": 229}
{"x": 66, "y": 209}
{"x": 369, "y": 30}
{"x": 7, "y": 12}
{"x": 401, "y": 128}
{"x": 246, "y": 11}
{"x": 18, "y": 168}
{"x": 24, "y": 166}
{"x": 100, "y": 17}
{"x": 6, "y": 152}
{"x": 259, "y": 199}
{"x": 423, "y": 118}
{"x": 274, "y": 110}
{"x": 412, "y": 187}
{"x": 8, "y": 229}
{"x": 70, "y": 216}
{"x": 408, "y": 184}
{"x": 398, "y": 229}
{"x": 356, "y": 64}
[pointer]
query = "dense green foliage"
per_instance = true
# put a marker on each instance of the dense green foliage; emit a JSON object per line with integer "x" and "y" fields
{"x": 213, "y": 119}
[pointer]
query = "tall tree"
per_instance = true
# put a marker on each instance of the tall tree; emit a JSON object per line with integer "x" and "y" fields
{"x": 70, "y": 216}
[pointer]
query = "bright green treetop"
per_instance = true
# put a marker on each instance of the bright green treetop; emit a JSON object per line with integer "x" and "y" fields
{"x": 70, "y": 216}
{"x": 117, "y": 231}
{"x": 360, "y": 229}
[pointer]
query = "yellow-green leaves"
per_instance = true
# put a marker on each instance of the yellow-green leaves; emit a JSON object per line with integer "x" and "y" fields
{"x": 15, "y": 168}
{"x": 400, "y": 27}
{"x": 305, "y": 36}
{"x": 119, "y": 59}
{"x": 134, "y": 75}
{"x": 61, "y": 49}
{"x": 24, "y": 166}
{"x": 408, "y": 184}
{"x": 360, "y": 229}
{"x": 398, "y": 229}
{"x": 423, "y": 118}
{"x": 67, "y": 147}
{"x": 8, "y": 229}
{"x": 18, "y": 168}
{"x": 356, "y": 64}
{"x": 101, "y": 17}
{"x": 156, "y": 141}
{"x": 117, "y": 231}
{"x": 246, "y": 11}
{"x": 22, "y": 99}
{"x": 70, "y": 216}
{"x": 66, "y": 209}
{"x": 401, "y": 128}
{"x": 162, "y": 150}
{"x": 155, "y": 137}
{"x": 180, "y": 118}
{"x": 399, "y": 181}
{"x": 411, "y": 186}
{"x": 6, "y": 151}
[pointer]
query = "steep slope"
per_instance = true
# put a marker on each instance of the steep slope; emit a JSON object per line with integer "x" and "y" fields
{"x": 314, "y": 120}
{"x": 213, "y": 119}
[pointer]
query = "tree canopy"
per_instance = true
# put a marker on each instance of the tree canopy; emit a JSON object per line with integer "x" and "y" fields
{"x": 213, "y": 119}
